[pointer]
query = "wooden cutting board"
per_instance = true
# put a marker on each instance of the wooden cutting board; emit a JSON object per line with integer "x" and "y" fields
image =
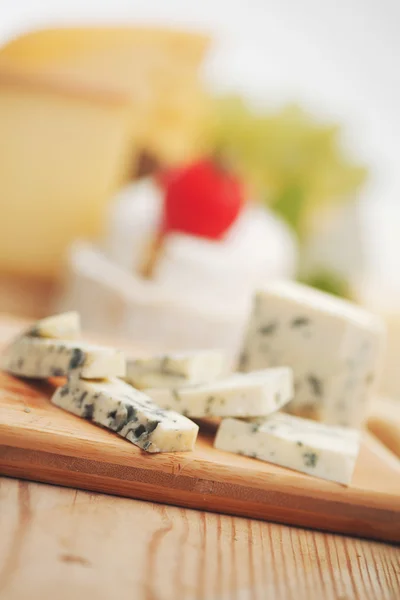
{"x": 41, "y": 442}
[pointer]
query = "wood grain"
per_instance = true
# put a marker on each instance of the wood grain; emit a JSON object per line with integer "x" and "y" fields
{"x": 68, "y": 544}
{"x": 41, "y": 442}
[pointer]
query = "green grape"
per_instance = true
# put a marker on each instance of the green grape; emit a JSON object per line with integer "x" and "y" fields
{"x": 290, "y": 206}
{"x": 328, "y": 281}
{"x": 291, "y": 161}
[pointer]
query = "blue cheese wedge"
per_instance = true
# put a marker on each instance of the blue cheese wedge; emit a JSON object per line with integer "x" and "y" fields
{"x": 119, "y": 407}
{"x": 65, "y": 326}
{"x": 42, "y": 358}
{"x": 333, "y": 346}
{"x": 246, "y": 395}
{"x": 300, "y": 444}
{"x": 175, "y": 369}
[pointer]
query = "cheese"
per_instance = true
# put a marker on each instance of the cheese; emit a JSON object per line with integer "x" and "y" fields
{"x": 64, "y": 151}
{"x": 299, "y": 444}
{"x": 333, "y": 347}
{"x": 130, "y": 413}
{"x": 383, "y": 297}
{"x": 255, "y": 394}
{"x": 76, "y": 105}
{"x": 256, "y": 247}
{"x": 157, "y": 69}
{"x": 65, "y": 326}
{"x": 43, "y": 358}
{"x": 175, "y": 369}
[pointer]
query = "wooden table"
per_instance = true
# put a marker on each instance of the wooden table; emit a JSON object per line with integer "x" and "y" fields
{"x": 63, "y": 544}
{"x": 67, "y": 545}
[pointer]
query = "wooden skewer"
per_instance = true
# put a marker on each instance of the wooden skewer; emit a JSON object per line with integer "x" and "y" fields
{"x": 152, "y": 256}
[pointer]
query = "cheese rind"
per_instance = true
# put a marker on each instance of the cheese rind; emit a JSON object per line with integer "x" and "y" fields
{"x": 65, "y": 326}
{"x": 333, "y": 347}
{"x": 299, "y": 444}
{"x": 246, "y": 395}
{"x": 175, "y": 369}
{"x": 42, "y": 358}
{"x": 121, "y": 408}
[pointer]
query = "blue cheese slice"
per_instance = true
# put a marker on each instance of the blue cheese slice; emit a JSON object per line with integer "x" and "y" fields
{"x": 300, "y": 444}
{"x": 65, "y": 326}
{"x": 119, "y": 407}
{"x": 42, "y": 358}
{"x": 333, "y": 346}
{"x": 247, "y": 395}
{"x": 175, "y": 369}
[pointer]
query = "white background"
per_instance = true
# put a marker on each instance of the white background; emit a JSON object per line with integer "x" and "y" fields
{"x": 340, "y": 58}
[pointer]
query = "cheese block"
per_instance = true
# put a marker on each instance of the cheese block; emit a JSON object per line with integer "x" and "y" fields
{"x": 43, "y": 358}
{"x": 65, "y": 326}
{"x": 333, "y": 346}
{"x": 300, "y": 444}
{"x": 64, "y": 151}
{"x": 382, "y": 296}
{"x": 130, "y": 413}
{"x": 175, "y": 369}
{"x": 156, "y": 68}
{"x": 254, "y": 394}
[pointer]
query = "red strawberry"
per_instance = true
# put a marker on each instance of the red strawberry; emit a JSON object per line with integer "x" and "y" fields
{"x": 202, "y": 199}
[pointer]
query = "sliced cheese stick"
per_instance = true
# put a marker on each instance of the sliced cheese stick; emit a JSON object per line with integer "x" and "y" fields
{"x": 175, "y": 369}
{"x": 43, "y": 358}
{"x": 246, "y": 395}
{"x": 130, "y": 413}
{"x": 300, "y": 444}
{"x": 65, "y": 326}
